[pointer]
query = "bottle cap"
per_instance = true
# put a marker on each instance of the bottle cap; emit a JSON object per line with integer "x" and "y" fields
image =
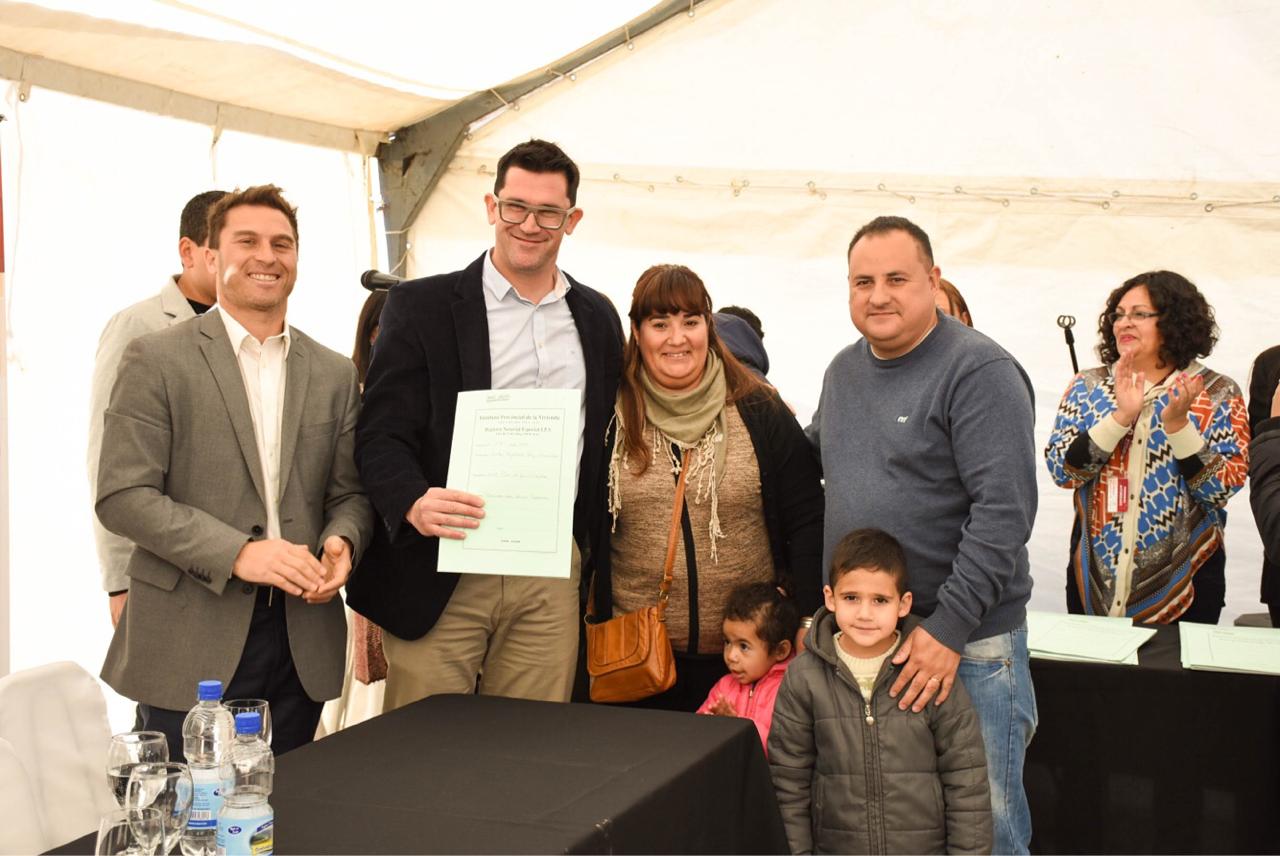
{"x": 209, "y": 690}
{"x": 249, "y": 722}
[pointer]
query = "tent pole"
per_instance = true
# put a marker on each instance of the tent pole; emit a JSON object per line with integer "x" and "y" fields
{"x": 411, "y": 164}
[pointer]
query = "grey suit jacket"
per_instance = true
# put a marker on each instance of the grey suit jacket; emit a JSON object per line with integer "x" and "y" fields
{"x": 155, "y": 313}
{"x": 181, "y": 479}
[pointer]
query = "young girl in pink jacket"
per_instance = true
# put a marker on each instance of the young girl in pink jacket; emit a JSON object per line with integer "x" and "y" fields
{"x": 760, "y": 624}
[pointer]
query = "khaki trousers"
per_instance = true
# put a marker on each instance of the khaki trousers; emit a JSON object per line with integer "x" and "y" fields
{"x": 518, "y": 634}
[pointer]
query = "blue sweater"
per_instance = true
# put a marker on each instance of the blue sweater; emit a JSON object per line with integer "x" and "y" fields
{"x": 936, "y": 448}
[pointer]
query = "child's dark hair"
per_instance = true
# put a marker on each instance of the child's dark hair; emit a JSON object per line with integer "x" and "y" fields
{"x": 871, "y": 550}
{"x": 776, "y": 616}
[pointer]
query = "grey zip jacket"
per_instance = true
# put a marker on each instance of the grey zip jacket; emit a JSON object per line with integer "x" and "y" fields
{"x": 858, "y": 776}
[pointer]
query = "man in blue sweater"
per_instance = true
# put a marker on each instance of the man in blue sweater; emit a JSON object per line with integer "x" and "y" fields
{"x": 925, "y": 431}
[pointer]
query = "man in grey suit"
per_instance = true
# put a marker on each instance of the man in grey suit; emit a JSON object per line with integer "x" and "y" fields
{"x": 182, "y": 297}
{"x": 227, "y": 461}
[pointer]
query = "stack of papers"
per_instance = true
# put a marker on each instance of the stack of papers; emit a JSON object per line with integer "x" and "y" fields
{"x": 1085, "y": 638}
{"x": 1207, "y": 647}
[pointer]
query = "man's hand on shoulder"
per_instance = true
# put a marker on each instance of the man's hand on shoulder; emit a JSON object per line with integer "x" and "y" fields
{"x": 930, "y": 669}
{"x": 277, "y": 562}
{"x": 442, "y": 513}
{"x": 335, "y": 558}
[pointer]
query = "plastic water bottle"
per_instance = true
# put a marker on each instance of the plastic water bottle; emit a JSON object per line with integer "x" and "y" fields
{"x": 246, "y": 823}
{"x": 206, "y": 739}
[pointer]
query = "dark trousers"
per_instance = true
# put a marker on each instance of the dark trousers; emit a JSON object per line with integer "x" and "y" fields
{"x": 1211, "y": 591}
{"x": 265, "y": 671}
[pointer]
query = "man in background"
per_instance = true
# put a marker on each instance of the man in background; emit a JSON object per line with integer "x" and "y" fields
{"x": 740, "y": 330}
{"x": 183, "y": 296}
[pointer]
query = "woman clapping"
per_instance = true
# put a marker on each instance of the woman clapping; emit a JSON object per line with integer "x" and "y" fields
{"x": 1153, "y": 444}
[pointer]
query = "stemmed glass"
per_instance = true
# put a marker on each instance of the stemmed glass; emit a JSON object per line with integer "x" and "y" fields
{"x": 252, "y": 705}
{"x": 133, "y": 831}
{"x": 166, "y": 787}
{"x": 129, "y": 749}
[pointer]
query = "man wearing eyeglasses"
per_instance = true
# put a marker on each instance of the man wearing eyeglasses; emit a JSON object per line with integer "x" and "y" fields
{"x": 511, "y": 320}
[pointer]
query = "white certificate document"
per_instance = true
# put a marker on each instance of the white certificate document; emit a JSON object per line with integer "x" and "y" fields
{"x": 518, "y": 450}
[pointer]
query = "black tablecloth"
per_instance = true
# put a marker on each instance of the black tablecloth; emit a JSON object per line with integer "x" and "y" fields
{"x": 1154, "y": 758}
{"x": 467, "y": 774}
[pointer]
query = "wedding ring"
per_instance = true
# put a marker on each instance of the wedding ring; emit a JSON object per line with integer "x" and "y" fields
{"x": 934, "y": 678}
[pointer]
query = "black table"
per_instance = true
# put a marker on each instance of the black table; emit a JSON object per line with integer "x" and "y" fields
{"x": 1154, "y": 758}
{"x": 466, "y": 774}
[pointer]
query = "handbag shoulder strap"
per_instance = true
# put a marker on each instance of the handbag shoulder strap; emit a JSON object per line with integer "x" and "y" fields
{"x": 664, "y": 590}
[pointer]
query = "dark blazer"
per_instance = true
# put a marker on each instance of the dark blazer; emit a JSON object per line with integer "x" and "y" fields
{"x": 181, "y": 479}
{"x": 1262, "y": 384}
{"x": 1264, "y": 485}
{"x": 433, "y": 342}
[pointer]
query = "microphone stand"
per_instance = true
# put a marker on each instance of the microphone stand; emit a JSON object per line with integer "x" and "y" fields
{"x": 1066, "y": 322}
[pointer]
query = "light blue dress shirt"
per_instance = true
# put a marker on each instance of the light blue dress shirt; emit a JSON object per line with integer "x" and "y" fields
{"x": 534, "y": 346}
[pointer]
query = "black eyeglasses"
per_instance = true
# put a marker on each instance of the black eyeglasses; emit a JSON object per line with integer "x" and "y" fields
{"x": 546, "y": 216}
{"x": 1117, "y": 317}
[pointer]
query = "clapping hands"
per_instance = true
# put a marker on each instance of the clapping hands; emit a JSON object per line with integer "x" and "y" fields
{"x": 1182, "y": 392}
{"x": 1130, "y": 385}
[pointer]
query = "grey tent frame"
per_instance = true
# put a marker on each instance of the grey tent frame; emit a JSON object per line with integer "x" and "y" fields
{"x": 412, "y": 162}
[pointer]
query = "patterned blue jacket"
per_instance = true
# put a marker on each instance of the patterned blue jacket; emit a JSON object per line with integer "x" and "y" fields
{"x": 1178, "y": 502}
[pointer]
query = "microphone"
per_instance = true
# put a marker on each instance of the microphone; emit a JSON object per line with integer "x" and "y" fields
{"x": 376, "y": 280}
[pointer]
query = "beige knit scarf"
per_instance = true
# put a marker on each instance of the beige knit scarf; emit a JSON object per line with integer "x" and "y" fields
{"x": 692, "y": 421}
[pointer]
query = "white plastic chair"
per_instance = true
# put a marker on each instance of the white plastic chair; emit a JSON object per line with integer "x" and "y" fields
{"x": 53, "y": 722}
{"x": 20, "y": 828}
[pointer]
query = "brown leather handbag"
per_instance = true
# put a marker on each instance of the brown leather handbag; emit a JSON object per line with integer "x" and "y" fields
{"x": 629, "y": 656}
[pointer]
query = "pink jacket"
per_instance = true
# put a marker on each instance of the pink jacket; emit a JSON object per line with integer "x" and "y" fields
{"x": 752, "y": 701}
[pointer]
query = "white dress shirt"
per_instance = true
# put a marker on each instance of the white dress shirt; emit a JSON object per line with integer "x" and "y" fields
{"x": 533, "y": 346}
{"x": 262, "y": 366}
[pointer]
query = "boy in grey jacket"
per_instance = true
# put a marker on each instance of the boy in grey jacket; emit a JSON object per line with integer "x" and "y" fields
{"x": 854, "y": 774}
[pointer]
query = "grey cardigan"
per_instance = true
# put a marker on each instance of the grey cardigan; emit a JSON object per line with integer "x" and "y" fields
{"x": 907, "y": 783}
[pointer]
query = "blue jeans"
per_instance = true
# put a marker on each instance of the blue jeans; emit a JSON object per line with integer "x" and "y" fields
{"x": 997, "y": 673}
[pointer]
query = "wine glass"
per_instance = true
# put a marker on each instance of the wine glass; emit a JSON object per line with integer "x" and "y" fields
{"x": 133, "y": 831}
{"x": 168, "y": 788}
{"x": 128, "y": 749}
{"x": 253, "y": 705}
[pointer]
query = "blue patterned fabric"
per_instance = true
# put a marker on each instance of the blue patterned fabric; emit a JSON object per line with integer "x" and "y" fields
{"x": 1180, "y": 518}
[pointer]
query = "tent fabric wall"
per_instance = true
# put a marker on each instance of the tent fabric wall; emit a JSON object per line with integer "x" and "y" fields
{"x": 93, "y": 193}
{"x": 1049, "y": 158}
{"x": 342, "y": 78}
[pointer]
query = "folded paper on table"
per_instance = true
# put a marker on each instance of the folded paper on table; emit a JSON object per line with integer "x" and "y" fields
{"x": 517, "y": 449}
{"x": 1085, "y": 638}
{"x": 1207, "y": 647}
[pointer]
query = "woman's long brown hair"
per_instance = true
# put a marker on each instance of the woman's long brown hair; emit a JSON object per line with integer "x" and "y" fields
{"x": 666, "y": 290}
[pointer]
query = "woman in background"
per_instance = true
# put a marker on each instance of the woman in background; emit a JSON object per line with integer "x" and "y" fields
{"x": 950, "y": 301}
{"x": 1153, "y": 444}
{"x": 361, "y": 698}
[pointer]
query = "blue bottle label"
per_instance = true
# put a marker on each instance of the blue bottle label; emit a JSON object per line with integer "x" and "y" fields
{"x": 247, "y": 836}
{"x": 206, "y": 800}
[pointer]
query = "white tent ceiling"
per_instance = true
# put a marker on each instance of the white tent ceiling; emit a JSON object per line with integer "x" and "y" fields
{"x": 341, "y": 76}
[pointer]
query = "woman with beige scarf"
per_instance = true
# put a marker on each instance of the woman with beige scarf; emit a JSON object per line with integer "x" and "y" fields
{"x": 753, "y": 503}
